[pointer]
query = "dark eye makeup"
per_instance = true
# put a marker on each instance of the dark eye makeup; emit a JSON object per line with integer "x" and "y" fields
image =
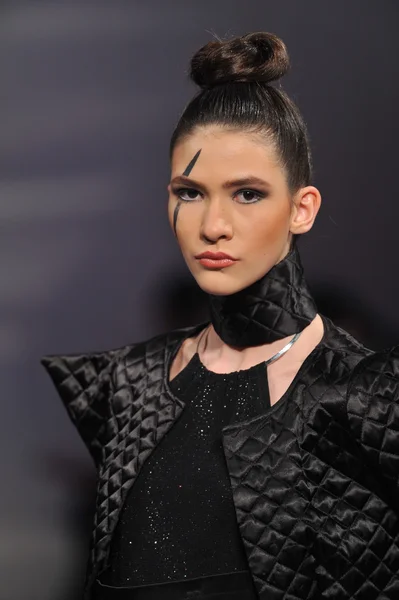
{"x": 244, "y": 196}
{"x": 250, "y": 196}
{"x": 186, "y": 194}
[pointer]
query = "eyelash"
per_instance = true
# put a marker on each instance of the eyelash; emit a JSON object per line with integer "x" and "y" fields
{"x": 179, "y": 191}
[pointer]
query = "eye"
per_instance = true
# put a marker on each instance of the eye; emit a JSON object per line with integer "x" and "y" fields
{"x": 187, "y": 194}
{"x": 249, "y": 196}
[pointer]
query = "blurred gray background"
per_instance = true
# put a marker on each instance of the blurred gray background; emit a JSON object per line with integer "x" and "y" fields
{"x": 90, "y": 92}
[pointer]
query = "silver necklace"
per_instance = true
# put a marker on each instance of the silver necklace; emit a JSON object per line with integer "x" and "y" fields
{"x": 283, "y": 350}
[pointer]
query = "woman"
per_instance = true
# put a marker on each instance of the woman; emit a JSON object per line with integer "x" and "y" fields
{"x": 257, "y": 455}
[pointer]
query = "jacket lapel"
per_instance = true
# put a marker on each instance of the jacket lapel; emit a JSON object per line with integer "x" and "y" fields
{"x": 143, "y": 411}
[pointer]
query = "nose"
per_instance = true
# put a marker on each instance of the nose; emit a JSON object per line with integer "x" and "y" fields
{"x": 216, "y": 222}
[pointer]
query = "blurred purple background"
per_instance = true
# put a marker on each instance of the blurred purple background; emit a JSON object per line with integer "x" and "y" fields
{"x": 90, "y": 92}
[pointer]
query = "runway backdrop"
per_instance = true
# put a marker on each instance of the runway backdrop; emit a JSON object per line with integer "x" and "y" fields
{"x": 90, "y": 92}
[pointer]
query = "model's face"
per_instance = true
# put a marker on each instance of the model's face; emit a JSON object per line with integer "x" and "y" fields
{"x": 228, "y": 194}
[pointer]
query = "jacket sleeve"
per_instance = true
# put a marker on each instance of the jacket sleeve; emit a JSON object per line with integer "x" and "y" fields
{"x": 373, "y": 412}
{"x": 83, "y": 382}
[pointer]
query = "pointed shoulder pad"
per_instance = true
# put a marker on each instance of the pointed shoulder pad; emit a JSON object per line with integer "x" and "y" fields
{"x": 84, "y": 384}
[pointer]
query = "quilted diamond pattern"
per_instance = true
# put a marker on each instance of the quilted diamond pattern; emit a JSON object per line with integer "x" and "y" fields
{"x": 83, "y": 382}
{"x": 315, "y": 522}
{"x": 313, "y": 482}
{"x": 118, "y": 402}
{"x": 276, "y": 306}
{"x": 373, "y": 410}
{"x": 141, "y": 415}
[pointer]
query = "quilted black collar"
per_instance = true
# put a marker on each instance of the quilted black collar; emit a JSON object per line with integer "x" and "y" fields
{"x": 276, "y": 306}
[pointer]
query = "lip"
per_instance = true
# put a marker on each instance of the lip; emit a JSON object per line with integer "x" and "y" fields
{"x": 215, "y": 256}
{"x": 215, "y": 260}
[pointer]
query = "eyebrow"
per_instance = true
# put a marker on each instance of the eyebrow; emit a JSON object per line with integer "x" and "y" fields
{"x": 233, "y": 183}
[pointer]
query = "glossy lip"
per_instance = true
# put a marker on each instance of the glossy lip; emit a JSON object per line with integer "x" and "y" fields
{"x": 215, "y": 256}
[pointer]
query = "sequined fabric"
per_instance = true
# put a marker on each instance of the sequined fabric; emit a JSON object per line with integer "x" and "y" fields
{"x": 184, "y": 486}
{"x": 314, "y": 478}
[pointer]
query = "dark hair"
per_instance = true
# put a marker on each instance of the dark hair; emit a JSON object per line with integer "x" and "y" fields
{"x": 234, "y": 77}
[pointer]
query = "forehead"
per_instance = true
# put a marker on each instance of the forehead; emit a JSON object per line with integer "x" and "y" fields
{"x": 224, "y": 153}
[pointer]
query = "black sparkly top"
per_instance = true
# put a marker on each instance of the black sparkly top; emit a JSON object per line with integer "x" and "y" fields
{"x": 179, "y": 521}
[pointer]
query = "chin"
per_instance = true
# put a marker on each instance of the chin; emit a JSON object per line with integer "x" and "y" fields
{"x": 217, "y": 284}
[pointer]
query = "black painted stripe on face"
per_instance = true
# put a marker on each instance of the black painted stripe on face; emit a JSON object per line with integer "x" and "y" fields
{"x": 191, "y": 164}
{"x": 175, "y": 215}
{"x": 186, "y": 173}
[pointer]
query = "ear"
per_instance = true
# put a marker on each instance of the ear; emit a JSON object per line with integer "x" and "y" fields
{"x": 306, "y": 206}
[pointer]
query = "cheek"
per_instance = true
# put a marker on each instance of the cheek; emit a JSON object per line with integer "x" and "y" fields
{"x": 189, "y": 217}
{"x": 270, "y": 226}
{"x": 185, "y": 220}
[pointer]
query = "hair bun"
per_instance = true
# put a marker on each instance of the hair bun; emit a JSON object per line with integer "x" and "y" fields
{"x": 261, "y": 57}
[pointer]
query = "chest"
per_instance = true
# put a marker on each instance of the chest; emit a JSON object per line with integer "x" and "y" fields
{"x": 281, "y": 378}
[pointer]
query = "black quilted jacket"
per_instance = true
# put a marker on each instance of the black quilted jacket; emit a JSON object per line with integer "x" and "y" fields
{"x": 314, "y": 479}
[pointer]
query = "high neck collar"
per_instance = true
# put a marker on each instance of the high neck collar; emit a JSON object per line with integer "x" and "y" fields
{"x": 274, "y": 307}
